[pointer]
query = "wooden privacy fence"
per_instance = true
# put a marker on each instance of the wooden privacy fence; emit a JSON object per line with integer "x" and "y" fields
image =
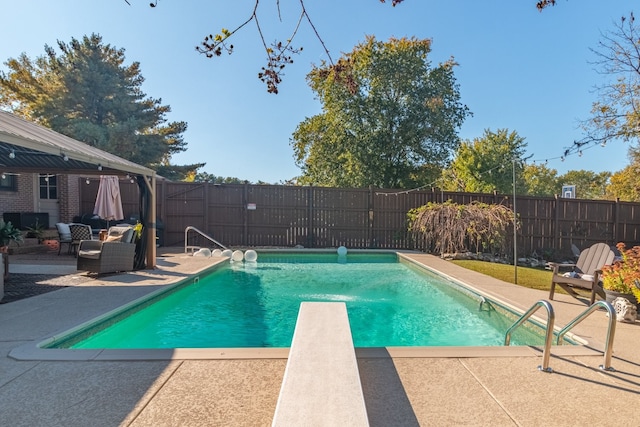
{"x": 318, "y": 217}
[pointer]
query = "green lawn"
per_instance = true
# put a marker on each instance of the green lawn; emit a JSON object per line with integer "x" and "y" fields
{"x": 533, "y": 278}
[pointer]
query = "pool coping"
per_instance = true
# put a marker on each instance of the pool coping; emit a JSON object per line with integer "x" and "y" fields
{"x": 34, "y": 352}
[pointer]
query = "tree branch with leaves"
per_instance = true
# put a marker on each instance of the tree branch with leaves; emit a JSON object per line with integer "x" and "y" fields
{"x": 616, "y": 114}
{"x": 279, "y": 53}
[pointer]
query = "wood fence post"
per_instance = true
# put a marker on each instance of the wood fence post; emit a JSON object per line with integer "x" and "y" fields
{"x": 245, "y": 223}
{"x": 163, "y": 202}
{"x": 310, "y": 233}
{"x": 370, "y": 218}
{"x": 616, "y": 221}
{"x": 205, "y": 200}
{"x": 555, "y": 227}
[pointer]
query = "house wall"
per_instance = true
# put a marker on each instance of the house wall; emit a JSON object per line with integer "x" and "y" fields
{"x": 21, "y": 200}
{"x": 24, "y": 198}
{"x": 68, "y": 196}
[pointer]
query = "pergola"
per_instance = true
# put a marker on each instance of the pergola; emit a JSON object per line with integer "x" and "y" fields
{"x": 26, "y": 147}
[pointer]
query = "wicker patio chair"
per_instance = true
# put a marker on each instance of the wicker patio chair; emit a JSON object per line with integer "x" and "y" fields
{"x": 114, "y": 254}
{"x": 79, "y": 232}
{"x": 585, "y": 273}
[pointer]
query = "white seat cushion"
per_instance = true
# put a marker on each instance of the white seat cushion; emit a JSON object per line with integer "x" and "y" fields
{"x": 93, "y": 254}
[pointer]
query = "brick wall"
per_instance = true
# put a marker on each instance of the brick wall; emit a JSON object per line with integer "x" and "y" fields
{"x": 21, "y": 200}
{"x": 68, "y": 196}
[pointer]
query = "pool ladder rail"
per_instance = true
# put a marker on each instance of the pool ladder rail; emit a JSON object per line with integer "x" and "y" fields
{"x": 611, "y": 330}
{"x": 193, "y": 248}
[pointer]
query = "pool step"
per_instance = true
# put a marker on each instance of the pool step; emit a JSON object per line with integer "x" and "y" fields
{"x": 321, "y": 385}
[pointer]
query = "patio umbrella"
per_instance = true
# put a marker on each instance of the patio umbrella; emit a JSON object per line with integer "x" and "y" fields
{"x": 108, "y": 201}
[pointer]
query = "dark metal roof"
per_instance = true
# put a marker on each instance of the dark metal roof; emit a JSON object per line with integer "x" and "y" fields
{"x": 28, "y": 160}
{"x": 28, "y": 147}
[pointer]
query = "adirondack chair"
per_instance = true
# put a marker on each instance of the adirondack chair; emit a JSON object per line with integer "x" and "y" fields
{"x": 585, "y": 273}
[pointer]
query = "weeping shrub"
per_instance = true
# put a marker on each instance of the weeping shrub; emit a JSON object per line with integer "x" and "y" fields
{"x": 449, "y": 227}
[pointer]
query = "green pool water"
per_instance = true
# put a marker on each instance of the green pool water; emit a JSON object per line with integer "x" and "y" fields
{"x": 389, "y": 303}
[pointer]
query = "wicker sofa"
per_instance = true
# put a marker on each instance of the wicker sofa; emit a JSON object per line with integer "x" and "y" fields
{"x": 115, "y": 254}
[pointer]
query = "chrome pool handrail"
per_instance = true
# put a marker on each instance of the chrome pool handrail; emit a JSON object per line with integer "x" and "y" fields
{"x": 611, "y": 330}
{"x": 548, "y": 331}
{"x": 203, "y": 234}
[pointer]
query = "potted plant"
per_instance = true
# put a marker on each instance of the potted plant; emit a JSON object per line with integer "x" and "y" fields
{"x": 8, "y": 233}
{"x": 37, "y": 231}
{"x": 622, "y": 278}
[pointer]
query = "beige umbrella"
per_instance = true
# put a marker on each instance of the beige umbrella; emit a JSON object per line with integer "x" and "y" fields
{"x": 108, "y": 201}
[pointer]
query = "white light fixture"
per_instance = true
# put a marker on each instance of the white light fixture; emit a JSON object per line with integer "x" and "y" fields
{"x": 12, "y": 154}
{"x": 3, "y": 175}
{"x": 99, "y": 167}
{"x": 65, "y": 157}
{"x": 87, "y": 181}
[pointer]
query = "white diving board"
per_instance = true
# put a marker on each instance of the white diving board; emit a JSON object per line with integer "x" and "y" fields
{"x": 321, "y": 384}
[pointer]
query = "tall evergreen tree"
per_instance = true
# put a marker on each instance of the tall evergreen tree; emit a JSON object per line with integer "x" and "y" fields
{"x": 87, "y": 93}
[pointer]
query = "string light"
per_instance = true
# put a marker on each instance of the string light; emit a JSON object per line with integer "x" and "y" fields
{"x": 562, "y": 158}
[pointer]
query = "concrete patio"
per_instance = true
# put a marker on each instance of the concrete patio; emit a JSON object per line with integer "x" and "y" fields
{"x": 494, "y": 386}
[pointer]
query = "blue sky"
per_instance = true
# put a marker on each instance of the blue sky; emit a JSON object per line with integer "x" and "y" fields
{"x": 519, "y": 69}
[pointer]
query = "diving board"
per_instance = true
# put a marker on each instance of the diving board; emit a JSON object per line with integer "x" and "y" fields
{"x": 321, "y": 384}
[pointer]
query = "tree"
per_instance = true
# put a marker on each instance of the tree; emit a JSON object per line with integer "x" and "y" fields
{"x": 389, "y": 119}
{"x": 213, "y": 179}
{"x": 86, "y": 93}
{"x": 486, "y": 164}
{"x": 625, "y": 184}
{"x": 450, "y": 227}
{"x": 616, "y": 113}
{"x": 540, "y": 180}
{"x": 589, "y": 185}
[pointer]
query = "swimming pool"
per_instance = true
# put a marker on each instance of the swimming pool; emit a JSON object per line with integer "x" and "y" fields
{"x": 389, "y": 303}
